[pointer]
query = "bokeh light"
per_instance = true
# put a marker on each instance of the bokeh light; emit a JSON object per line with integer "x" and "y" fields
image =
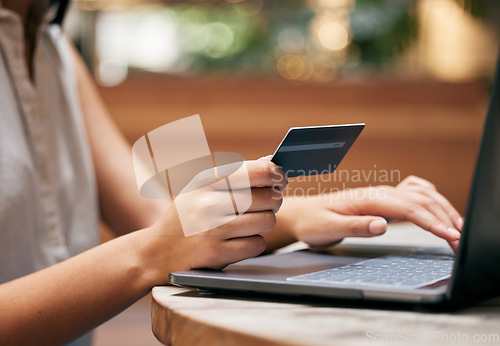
{"x": 333, "y": 36}
{"x": 112, "y": 72}
{"x": 295, "y": 67}
{"x": 305, "y": 40}
{"x": 218, "y": 37}
{"x": 152, "y": 40}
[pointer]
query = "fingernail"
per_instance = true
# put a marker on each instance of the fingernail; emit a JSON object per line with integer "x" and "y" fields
{"x": 453, "y": 232}
{"x": 460, "y": 223}
{"x": 377, "y": 226}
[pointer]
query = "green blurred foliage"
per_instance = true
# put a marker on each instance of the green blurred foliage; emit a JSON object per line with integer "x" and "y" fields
{"x": 382, "y": 29}
{"x": 233, "y": 37}
{"x": 238, "y": 37}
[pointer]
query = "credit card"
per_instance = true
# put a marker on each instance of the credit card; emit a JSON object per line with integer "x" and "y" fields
{"x": 315, "y": 150}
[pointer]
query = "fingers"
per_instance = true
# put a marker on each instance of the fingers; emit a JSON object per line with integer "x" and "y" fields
{"x": 421, "y": 210}
{"x": 368, "y": 226}
{"x": 240, "y": 175}
{"x": 250, "y": 174}
{"x": 359, "y": 226}
{"x": 439, "y": 213}
{"x": 263, "y": 173}
{"x": 207, "y": 214}
{"x": 444, "y": 206}
{"x": 429, "y": 220}
{"x": 414, "y": 199}
{"x": 216, "y": 254}
{"x": 412, "y": 180}
{"x": 246, "y": 225}
{"x": 454, "y": 245}
{"x": 425, "y": 187}
{"x": 432, "y": 210}
{"x": 246, "y": 247}
{"x": 238, "y": 249}
{"x": 263, "y": 198}
{"x": 331, "y": 227}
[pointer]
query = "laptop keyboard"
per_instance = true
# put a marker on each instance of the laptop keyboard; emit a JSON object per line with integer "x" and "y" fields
{"x": 404, "y": 271}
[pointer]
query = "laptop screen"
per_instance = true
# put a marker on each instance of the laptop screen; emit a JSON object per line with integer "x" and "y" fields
{"x": 477, "y": 268}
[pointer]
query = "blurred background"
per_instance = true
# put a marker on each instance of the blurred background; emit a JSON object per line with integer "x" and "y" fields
{"x": 417, "y": 72}
{"x": 313, "y": 41}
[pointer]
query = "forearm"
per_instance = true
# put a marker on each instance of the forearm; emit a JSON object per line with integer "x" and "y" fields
{"x": 123, "y": 209}
{"x": 57, "y": 304}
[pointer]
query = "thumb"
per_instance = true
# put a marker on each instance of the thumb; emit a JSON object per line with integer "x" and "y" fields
{"x": 360, "y": 226}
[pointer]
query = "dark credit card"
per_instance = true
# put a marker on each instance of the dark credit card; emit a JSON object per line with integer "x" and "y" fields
{"x": 315, "y": 149}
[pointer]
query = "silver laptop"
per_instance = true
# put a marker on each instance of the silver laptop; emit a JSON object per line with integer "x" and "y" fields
{"x": 408, "y": 275}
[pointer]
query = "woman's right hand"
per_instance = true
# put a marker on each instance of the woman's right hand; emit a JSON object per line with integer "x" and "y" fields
{"x": 234, "y": 237}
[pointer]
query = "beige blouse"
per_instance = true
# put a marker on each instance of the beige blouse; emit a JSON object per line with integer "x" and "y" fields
{"x": 48, "y": 195}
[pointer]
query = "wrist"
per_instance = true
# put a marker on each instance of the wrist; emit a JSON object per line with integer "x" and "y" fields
{"x": 158, "y": 254}
{"x": 284, "y": 232}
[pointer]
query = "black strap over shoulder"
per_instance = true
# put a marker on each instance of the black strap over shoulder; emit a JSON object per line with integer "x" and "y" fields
{"x": 61, "y": 11}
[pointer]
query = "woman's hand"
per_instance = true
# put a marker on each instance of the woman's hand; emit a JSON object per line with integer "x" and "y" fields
{"x": 326, "y": 219}
{"x": 202, "y": 228}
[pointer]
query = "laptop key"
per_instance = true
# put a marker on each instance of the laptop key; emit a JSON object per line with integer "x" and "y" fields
{"x": 401, "y": 271}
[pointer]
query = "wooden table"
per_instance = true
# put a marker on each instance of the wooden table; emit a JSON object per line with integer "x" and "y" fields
{"x": 187, "y": 317}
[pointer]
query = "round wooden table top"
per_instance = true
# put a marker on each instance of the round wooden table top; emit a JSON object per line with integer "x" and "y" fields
{"x": 182, "y": 316}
